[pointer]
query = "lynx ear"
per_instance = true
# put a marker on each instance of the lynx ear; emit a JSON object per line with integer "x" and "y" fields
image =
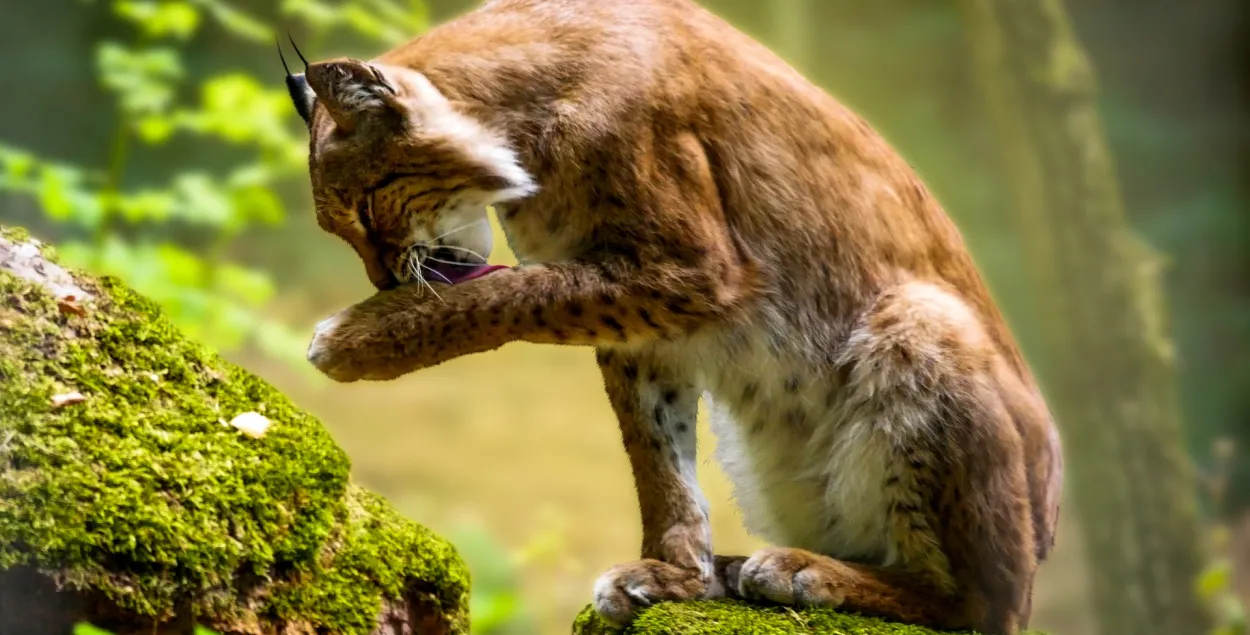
{"x": 353, "y": 92}
{"x": 302, "y": 96}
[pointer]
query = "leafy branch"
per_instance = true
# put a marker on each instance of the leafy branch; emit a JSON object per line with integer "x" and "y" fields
{"x": 126, "y": 231}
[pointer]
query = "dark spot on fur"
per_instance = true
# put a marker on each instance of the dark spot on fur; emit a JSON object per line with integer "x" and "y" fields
{"x": 795, "y": 419}
{"x": 611, "y": 323}
{"x": 607, "y": 299}
{"x": 892, "y": 480}
{"x": 631, "y": 371}
{"x": 575, "y": 309}
{"x": 670, "y": 396}
{"x": 610, "y": 274}
{"x": 750, "y": 391}
{"x": 646, "y": 317}
{"x": 683, "y": 427}
{"x": 678, "y": 307}
{"x": 659, "y": 416}
{"x": 792, "y": 384}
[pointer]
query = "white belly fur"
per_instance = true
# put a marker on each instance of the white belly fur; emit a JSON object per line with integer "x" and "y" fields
{"x": 817, "y": 485}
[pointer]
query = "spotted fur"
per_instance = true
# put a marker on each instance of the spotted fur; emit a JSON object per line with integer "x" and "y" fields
{"x": 714, "y": 226}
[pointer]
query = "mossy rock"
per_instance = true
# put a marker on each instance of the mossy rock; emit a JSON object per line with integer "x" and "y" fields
{"x": 127, "y": 498}
{"x": 730, "y": 617}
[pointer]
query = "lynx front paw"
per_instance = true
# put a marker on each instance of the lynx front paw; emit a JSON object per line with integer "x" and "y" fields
{"x": 626, "y": 589}
{"x": 326, "y": 350}
{"x": 340, "y": 348}
{"x": 791, "y": 576}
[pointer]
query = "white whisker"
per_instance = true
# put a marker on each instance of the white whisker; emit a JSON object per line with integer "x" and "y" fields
{"x": 431, "y": 287}
{"x": 437, "y": 272}
{"x": 449, "y": 262}
{"x": 460, "y": 228}
{"x": 436, "y": 294}
{"x": 463, "y": 249}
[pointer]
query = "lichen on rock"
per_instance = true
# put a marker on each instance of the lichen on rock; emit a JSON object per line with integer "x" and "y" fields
{"x": 122, "y": 480}
{"x": 731, "y": 617}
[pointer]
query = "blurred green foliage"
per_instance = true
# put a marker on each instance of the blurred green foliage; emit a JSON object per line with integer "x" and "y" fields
{"x": 496, "y": 605}
{"x": 173, "y": 241}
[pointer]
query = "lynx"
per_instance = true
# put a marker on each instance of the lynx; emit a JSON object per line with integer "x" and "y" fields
{"x": 714, "y": 226}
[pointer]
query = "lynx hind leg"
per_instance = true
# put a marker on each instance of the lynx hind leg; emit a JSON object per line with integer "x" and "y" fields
{"x": 925, "y": 381}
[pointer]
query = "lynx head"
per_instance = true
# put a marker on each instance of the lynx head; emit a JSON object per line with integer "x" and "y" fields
{"x": 399, "y": 174}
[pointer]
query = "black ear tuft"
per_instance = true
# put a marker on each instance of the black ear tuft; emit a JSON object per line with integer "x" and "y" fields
{"x": 302, "y": 95}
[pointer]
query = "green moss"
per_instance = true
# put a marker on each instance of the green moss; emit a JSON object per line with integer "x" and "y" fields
{"x": 380, "y": 555}
{"x": 727, "y": 617}
{"x": 143, "y": 493}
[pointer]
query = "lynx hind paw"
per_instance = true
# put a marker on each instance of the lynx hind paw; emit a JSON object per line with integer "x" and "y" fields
{"x": 626, "y": 589}
{"x": 790, "y": 576}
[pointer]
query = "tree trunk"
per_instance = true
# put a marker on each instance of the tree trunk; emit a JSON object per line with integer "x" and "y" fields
{"x": 1109, "y": 371}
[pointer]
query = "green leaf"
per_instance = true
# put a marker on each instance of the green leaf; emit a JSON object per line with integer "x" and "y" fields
{"x": 237, "y": 22}
{"x": 155, "y": 129}
{"x": 256, "y": 204}
{"x": 1216, "y": 579}
{"x": 201, "y": 201}
{"x": 17, "y": 165}
{"x": 319, "y": 15}
{"x": 143, "y": 79}
{"x": 83, "y": 628}
{"x": 146, "y": 205}
{"x": 240, "y": 110}
{"x": 63, "y": 195}
{"x": 174, "y": 19}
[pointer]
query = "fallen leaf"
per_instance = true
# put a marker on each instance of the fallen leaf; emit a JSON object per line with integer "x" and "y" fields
{"x": 69, "y": 304}
{"x": 253, "y": 424}
{"x": 67, "y": 399}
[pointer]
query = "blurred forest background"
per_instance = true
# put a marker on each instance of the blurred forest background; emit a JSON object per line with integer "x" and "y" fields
{"x": 152, "y": 139}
